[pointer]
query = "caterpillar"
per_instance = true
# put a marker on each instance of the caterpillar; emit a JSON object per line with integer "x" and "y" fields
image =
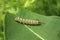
{"x": 27, "y": 21}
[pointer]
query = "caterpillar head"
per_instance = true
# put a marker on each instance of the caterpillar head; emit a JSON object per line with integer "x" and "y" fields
{"x": 17, "y": 18}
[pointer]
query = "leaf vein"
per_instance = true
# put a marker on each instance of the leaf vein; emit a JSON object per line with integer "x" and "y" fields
{"x": 34, "y": 32}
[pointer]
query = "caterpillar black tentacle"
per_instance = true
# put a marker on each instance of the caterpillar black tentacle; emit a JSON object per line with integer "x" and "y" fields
{"x": 27, "y": 21}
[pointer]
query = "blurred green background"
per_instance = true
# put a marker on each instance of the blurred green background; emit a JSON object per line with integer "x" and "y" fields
{"x": 41, "y": 7}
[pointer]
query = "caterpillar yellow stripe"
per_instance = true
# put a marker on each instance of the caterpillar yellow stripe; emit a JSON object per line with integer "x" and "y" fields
{"x": 26, "y": 21}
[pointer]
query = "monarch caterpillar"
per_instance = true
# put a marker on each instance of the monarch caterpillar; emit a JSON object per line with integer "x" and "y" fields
{"x": 27, "y": 21}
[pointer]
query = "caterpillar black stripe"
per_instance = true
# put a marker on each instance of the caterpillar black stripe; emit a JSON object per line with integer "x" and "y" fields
{"x": 27, "y": 21}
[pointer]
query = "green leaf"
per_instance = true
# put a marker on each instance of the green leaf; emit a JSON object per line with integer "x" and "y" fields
{"x": 48, "y": 30}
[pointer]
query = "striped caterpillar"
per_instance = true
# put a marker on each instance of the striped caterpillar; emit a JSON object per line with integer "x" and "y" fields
{"x": 27, "y": 21}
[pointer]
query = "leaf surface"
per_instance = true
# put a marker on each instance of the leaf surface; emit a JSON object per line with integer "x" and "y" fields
{"x": 48, "y": 30}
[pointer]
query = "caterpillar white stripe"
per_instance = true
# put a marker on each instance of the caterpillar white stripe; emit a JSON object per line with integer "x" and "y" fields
{"x": 27, "y": 21}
